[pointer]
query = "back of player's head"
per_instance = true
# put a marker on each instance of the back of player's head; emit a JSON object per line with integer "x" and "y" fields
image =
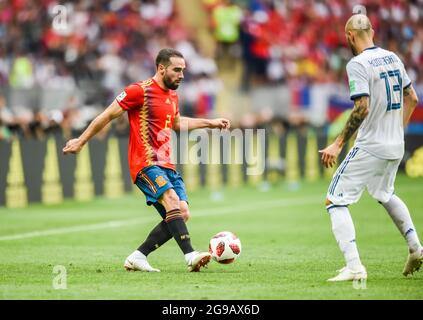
{"x": 359, "y": 23}
{"x": 164, "y": 56}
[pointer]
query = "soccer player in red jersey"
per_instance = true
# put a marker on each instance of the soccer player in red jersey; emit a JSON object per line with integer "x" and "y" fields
{"x": 152, "y": 107}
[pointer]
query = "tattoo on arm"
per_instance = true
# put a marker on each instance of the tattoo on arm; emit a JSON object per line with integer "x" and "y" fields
{"x": 357, "y": 116}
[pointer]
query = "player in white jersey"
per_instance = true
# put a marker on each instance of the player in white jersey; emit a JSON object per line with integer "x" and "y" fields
{"x": 384, "y": 100}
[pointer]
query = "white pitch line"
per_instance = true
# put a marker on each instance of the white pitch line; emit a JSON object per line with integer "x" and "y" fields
{"x": 79, "y": 228}
{"x": 197, "y": 213}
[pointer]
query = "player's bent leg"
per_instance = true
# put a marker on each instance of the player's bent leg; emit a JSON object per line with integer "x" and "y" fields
{"x": 161, "y": 232}
{"x": 175, "y": 221}
{"x": 152, "y": 188}
{"x": 344, "y": 232}
{"x": 381, "y": 188}
{"x": 399, "y": 213}
{"x": 346, "y": 187}
{"x": 179, "y": 230}
{"x": 195, "y": 260}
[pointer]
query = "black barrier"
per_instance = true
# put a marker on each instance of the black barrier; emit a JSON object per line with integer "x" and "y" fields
{"x": 412, "y": 143}
{"x": 33, "y": 152}
{"x": 5, "y": 152}
{"x": 322, "y": 138}
{"x": 33, "y": 158}
{"x": 123, "y": 151}
{"x": 67, "y": 166}
{"x": 98, "y": 151}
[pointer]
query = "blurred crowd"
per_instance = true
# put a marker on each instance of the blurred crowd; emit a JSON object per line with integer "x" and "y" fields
{"x": 301, "y": 44}
{"x": 292, "y": 57}
{"x": 89, "y": 50}
{"x": 280, "y": 39}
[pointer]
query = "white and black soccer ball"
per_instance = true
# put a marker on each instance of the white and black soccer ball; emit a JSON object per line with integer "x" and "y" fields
{"x": 225, "y": 247}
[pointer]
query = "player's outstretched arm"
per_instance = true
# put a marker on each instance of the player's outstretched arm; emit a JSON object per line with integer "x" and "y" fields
{"x": 111, "y": 112}
{"x": 410, "y": 103}
{"x": 185, "y": 123}
{"x": 358, "y": 114}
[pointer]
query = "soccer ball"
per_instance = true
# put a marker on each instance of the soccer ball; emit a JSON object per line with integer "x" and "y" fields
{"x": 225, "y": 247}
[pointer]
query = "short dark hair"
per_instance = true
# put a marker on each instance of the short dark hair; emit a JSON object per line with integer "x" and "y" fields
{"x": 164, "y": 56}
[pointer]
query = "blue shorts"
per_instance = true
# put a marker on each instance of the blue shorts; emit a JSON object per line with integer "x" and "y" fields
{"x": 153, "y": 181}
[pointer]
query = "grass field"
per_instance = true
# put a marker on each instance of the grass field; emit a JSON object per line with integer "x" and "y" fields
{"x": 288, "y": 248}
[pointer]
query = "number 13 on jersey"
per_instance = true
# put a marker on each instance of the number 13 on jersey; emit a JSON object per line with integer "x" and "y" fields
{"x": 393, "y": 91}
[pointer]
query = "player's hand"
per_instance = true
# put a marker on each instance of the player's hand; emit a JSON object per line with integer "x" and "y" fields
{"x": 330, "y": 154}
{"x": 72, "y": 146}
{"x": 220, "y": 123}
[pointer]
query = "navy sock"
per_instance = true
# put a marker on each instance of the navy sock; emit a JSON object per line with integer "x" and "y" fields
{"x": 156, "y": 238}
{"x": 179, "y": 230}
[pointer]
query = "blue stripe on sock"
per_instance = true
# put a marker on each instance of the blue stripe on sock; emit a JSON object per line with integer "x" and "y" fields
{"x": 408, "y": 231}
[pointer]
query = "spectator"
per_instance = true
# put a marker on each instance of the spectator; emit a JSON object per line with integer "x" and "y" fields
{"x": 226, "y": 22}
{"x": 21, "y": 73}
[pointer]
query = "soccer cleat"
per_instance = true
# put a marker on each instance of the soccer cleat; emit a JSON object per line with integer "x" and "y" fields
{"x": 199, "y": 259}
{"x": 347, "y": 274}
{"x": 136, "y": 261}
{"x": 414, "y": 262}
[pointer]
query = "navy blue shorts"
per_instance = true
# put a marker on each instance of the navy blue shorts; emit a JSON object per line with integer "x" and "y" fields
{"x": 153, "y": 181}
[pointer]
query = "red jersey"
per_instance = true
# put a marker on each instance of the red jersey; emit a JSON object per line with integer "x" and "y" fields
{"x": 151, "y": 113}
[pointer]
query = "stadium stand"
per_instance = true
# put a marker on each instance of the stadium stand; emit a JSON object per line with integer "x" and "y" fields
{"x": 281, "y": 67}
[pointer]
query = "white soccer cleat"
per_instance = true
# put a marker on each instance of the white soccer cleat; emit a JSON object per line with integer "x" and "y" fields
{"x": 136, "y": 261}
{"x": 414, "y": 262}
{"x": 198, "y": 260}
{"x": 347, "y": 274}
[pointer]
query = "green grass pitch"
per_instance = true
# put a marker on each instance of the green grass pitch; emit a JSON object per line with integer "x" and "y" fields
{"x": 288, "y": 248}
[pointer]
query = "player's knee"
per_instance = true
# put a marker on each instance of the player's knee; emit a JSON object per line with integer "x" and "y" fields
{"x": 170, "y": 199}
{"x": 185, "y": 214}
{"x": 327, "y": 202}
{"x": 185, "y": 211}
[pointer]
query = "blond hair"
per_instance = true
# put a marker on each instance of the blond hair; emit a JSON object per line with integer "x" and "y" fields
{"x": 359, "y": 23}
